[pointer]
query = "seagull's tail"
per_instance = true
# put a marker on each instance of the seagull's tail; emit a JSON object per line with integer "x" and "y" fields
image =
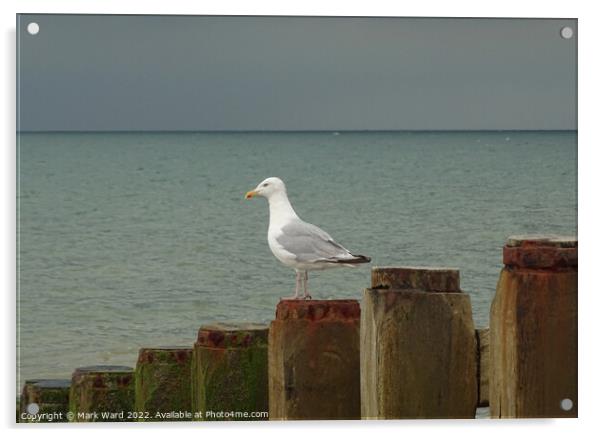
{"x": 360, "y": 259}
{"x": 351, "y": 262}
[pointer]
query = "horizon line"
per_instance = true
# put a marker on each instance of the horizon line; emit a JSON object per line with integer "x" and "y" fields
{"x": 282, "y": 130}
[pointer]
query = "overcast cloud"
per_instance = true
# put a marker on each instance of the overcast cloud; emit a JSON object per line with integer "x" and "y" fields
{"x": 86, "y": 72}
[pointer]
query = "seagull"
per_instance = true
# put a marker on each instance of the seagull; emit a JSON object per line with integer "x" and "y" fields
{"x": 299, "y": 244}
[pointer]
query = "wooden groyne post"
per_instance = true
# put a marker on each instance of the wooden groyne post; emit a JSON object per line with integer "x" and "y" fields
{"x": 102, "y": 394}
{"x": 163, "y": 383}
{"x": 418, "y": 356}
{"x": 533, "y": 329}
{"x": 230, "y": 372}
{"x": 47, "y": 397}
{"x": 483, "y": 362}
{"x": 314, "y": 360}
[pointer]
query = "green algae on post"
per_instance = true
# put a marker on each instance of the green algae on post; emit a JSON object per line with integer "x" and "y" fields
{"x": 102, "y": 394}
{"x": 230, "y": 372}
{"x": 163, "y": 381}
{"x": 44, "y": 400}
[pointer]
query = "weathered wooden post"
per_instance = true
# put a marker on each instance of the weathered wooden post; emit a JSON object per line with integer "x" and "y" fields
{"x": 533, "y": 329}
{"x": 102, "y": 394}
{"x": 418, "y": 346}
{"x": 483, "y": 360}
{"x": 314, "y": 360}
{"x": 230, "y": 372}
{"x": 163, "y": 378}
{"x": 47, "y": 399}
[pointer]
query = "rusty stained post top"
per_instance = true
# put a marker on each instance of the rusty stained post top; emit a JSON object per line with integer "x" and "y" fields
{"x": 542, "y": 240}
{"x": 432, "y": 279}
{"x": 165, "y": 348}
{"x": 102, "y": 376}
{"x": 540, "y": 251}
{"x": 166, "y": 354}
{"x": 231, "y": 334}
{"x": 316, "y": 310}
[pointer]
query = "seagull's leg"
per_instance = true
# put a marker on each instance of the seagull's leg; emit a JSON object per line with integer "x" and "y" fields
{"x": 297, "y": 283}
{"x": 297, "y": 286}
{"x": 306, "y": 294}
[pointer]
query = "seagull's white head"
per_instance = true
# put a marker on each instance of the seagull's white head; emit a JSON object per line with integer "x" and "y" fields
{"x": 267, "y": 188}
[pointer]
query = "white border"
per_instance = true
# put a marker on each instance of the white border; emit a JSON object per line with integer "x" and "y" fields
{"x": 589, "y": 196}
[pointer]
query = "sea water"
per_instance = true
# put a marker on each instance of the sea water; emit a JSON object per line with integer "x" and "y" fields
{"x": 128, "y": 240}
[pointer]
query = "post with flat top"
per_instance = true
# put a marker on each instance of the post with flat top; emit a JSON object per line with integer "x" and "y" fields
{"x": 102, "y": 394}
{"x": 44, "y": 396}
{"x": 483, "y": 361}
{"x": 163, "y": 384}
{"x": 533, "y": 329}
{"x": 230, "y": 372}
{"x": 314, "y": 360}
{"x": 418, "y": 346}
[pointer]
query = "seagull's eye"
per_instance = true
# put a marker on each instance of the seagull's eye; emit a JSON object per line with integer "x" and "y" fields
{"x": 265, "y": 185}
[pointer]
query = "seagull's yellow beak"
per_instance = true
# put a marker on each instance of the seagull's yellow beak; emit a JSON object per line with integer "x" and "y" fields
{"x": 250, "y": 194}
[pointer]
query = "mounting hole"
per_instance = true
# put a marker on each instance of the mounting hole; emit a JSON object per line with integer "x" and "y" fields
{"x": 33, "y": 408}
{"x": 566, "y": 32}
{"x": 33, "y": 28}
{"x": 566, "y": 404}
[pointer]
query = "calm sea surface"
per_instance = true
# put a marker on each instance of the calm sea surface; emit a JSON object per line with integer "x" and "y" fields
{"x": 135, "y": 239}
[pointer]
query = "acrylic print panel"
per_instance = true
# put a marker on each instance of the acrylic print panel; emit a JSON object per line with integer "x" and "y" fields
{"x": 166, "y": 272}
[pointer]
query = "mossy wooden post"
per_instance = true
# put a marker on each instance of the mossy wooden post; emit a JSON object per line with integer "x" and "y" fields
{"x": 533, "y": 329}
{"x": 314, "y": 360}
{"x": 163, "y": 378}
{"x": 230, "y": 372}
{"x": 418, "y": 346}
{"x": 483, "y": 366}
{"x": 48, "y": 397}
{"x": 102, "y": 394}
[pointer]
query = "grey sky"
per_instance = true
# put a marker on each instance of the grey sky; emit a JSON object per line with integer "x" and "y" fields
{"x": 87, "y": 72}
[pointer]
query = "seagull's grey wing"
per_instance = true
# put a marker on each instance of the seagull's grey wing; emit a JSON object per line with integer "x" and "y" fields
{"x": 309, "y": 243}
